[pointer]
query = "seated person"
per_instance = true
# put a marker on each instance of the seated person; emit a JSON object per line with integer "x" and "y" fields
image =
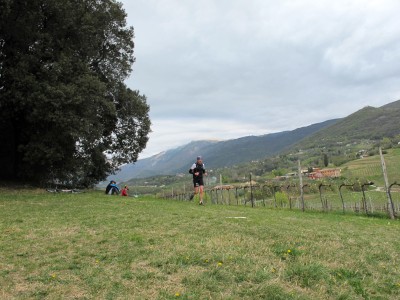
{"x": 124, "y": 191}
{"x": 112, "y": 188}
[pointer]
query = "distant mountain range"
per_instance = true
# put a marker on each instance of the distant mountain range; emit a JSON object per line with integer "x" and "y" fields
{"x": 216, "y": 153}
{"x": 367, "y": 123}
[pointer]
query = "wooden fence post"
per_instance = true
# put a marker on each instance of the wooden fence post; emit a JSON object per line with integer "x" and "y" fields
{"x": 251, "y": 193}
{"x": 390, "y": 202}
{"x": 301, "y": 186}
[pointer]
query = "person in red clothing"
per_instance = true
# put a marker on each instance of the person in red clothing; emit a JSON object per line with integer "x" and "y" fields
{"x": 124, "y": 191}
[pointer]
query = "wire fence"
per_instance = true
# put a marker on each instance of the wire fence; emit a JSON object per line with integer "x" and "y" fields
{"x": 345, "y": 197}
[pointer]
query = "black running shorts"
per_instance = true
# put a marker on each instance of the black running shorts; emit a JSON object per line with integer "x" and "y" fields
{"x": 198, "y": 181}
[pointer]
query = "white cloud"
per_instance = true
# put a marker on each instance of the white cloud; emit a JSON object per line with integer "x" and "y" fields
{"x": 254, "y": 67}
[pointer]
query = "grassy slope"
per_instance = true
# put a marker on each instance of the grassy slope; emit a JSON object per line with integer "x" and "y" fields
{"x": 96, "y": 246}
{"x": 369, "y": 168}
{"x": 367, "y": 123}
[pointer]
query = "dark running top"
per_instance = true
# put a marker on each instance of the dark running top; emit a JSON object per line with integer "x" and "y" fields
{"x": 197, "y": 168}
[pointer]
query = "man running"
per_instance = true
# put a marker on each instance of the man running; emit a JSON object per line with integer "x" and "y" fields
{"x": 198, "y": 170}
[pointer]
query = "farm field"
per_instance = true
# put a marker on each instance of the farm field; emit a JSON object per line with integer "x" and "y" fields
{"x": 94, "y": 246}
{"x": 369, "y": 168}
{"x": 329, "y": 200}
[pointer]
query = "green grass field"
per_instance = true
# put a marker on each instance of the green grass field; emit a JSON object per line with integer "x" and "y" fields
{"x": 94, "y": 246}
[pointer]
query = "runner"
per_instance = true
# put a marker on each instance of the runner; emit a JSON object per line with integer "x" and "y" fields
{"x": 198, "y": 170}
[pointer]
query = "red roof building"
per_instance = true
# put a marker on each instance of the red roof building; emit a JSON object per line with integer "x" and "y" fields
{"x": 324, "y": 173}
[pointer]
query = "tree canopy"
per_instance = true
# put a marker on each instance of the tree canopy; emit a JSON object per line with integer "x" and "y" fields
{"x": 65, "y": 111}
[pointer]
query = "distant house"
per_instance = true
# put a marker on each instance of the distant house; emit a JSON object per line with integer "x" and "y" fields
{"x": 362, "y": 153}
{"x": 324, "y": 173}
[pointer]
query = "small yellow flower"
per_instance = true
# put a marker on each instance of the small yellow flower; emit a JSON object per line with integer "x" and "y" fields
{"x": 177, "y": 294}
{"x": 289, "y": 251}
{"x": 53, "y": 275}
{"x": 206, "y": 260}
{"x": 219, "y": 263}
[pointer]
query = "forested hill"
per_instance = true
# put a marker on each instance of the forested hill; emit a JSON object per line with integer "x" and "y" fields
{"x": 368, "y": 123}
{"x": 245, "y": 149}
{"x": 217, "y": 153}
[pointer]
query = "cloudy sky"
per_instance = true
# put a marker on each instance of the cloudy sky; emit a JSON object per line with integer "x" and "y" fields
{"x": 223, "y": 69}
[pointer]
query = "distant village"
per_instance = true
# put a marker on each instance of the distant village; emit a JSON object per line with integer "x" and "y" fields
{"x": 316, "y": 173}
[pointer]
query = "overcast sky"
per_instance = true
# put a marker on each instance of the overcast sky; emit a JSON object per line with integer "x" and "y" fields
{"x": 223, "y": 69}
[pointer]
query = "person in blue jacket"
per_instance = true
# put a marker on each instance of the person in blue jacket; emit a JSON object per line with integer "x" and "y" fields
{"x": 112, "y": 188}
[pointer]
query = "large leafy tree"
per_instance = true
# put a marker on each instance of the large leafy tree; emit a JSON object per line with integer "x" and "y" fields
{"x": 65, "y": 112}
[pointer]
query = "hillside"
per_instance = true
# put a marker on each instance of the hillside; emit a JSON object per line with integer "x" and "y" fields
{"x": 368, "y": 123}
{"x": 361, "y": 129}
{"x": 217, "y": 154}
{"x": 246, "y": 149}
{"x": 168, "y": 162}
{"x": 370, "y": 169}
